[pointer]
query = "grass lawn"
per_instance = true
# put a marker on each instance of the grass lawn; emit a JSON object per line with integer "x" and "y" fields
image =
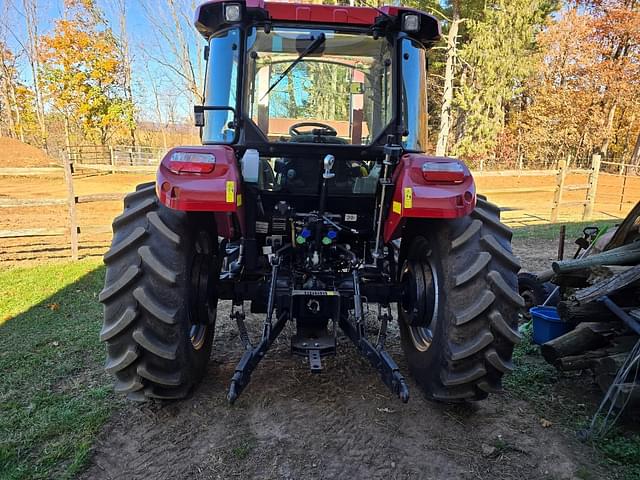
{"x": 54, "y": 396}
{"x": 551, "y": 231}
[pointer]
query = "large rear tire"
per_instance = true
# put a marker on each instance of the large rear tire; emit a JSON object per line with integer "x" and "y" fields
{"x": 159, "y": 298}
{"x": 459, "y": 310}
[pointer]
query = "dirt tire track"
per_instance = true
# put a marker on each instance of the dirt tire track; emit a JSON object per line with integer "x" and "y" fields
{"x": 290, "y": 424}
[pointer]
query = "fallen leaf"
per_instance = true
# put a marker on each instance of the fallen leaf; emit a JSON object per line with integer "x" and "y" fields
{"x": 53, "y": 306}
{"x": 488, "y": 450}
{"x": 545, "y": 423}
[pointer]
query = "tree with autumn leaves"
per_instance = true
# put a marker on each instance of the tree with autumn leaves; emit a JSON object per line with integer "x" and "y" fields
{"x": 536, "y": 81}
{"x": 83, "y": 75}
{"x": 513, "y": 83}
{"x": 584, "y": 96}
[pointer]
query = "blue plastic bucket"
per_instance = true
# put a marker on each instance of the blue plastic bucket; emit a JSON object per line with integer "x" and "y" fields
{"x": 547, "y": 324}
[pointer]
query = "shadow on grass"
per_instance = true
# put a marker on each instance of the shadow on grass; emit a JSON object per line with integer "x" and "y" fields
{"x": 54, "y": 396}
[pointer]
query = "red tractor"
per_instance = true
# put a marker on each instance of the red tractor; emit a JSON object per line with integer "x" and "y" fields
{"x": 311, "y": 196}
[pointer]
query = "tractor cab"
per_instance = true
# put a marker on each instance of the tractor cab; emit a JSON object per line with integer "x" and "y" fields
{"x": 288, "y": 84}
{"x": 346, "y": 78}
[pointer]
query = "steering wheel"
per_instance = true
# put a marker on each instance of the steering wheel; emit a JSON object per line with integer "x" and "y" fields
{"x": 322, "y": 129}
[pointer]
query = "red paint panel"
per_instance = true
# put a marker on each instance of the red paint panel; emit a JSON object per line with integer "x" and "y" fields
{"x": 204, "y": 192}
{"x": 413, "y": 197}
{"x": 321, "y": 13}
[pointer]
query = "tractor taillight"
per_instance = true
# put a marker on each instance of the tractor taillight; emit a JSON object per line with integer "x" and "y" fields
{"x": 191, "y": 162}
{"x": 443, "y": 172}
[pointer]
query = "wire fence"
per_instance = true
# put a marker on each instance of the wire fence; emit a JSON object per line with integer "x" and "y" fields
{"x": 114, "y": 158}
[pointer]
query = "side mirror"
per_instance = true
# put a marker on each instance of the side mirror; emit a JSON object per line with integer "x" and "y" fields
{"x": 199, "y": 114}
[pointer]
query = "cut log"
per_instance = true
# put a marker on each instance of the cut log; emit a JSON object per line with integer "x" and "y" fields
{"x": 607, "y": 286}
{"x": 625, "y": 255}
{"x": 576, "y": 279}
{"x": 585, "y": 277}
{"x": 545, "y": 276}
{"x": 602, "y": 272}
{"x": 586, "y": 336}
{"x": 571, "y": 312}
{"x": 606, "y": 369}
{"x": 588, "y": 360}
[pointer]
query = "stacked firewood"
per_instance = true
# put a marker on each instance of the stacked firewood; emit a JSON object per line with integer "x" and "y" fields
{"x": 600, "y": 296}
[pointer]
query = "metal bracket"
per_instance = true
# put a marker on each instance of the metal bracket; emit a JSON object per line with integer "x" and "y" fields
{"x": 377, "y": 355}
{"x": 270, "y": 332}
{"x": 384, "y": 319}
{"x": 315, "y": 364}
{"x": 239, "y": 317}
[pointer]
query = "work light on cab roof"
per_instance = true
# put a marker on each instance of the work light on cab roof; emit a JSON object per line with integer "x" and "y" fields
{"x": 314, "y": 198}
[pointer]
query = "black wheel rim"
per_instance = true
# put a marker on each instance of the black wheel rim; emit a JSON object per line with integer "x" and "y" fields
{"x": 421, "y": 336}
{"x": 202, "y": 311}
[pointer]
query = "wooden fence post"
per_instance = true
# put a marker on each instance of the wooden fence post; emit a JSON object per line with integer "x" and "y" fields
{"x": 624, "y": 188}
{"x": 71, "y": 199}
{"x": 557, "y": 197}
{"x": 593, "y": 187}
{"x": 112, "y": 159}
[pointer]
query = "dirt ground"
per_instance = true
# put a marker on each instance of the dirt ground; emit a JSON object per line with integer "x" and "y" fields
{"x": 15, "y": 154}
{"x": 343, "y": 423}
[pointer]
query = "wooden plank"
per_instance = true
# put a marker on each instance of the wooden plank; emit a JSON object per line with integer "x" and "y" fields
{"x": 100, "y": 197}
{"x": 576, "y": 203}
{"x": 96, "y": 230}
{"x": 29, "y": 172}
{"x": 33, "y": 232}
{"x": 607, "y": 286}
{"x": 518, "y": 190}
{"x": 118, "y": 168}
{"x": 573, "y": 204}
{"x": 30, "y": 202}
{"x": 573, "y": 188}
{"x": 557, "y": 198}
{"x": 515, "y": 173}
{"x": 593, "y": 187}
{"x": 625, "y": 228}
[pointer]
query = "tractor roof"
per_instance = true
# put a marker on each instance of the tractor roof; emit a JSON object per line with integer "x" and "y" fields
{"x": 209, "y": 17}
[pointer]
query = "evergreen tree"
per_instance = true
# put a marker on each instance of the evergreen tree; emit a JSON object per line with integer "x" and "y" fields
{"x": 497, "y": 60}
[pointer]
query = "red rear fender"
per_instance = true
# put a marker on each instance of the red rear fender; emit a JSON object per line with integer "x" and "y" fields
{"x": 218, "y": 191}
{"x": 451, "y": 195}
